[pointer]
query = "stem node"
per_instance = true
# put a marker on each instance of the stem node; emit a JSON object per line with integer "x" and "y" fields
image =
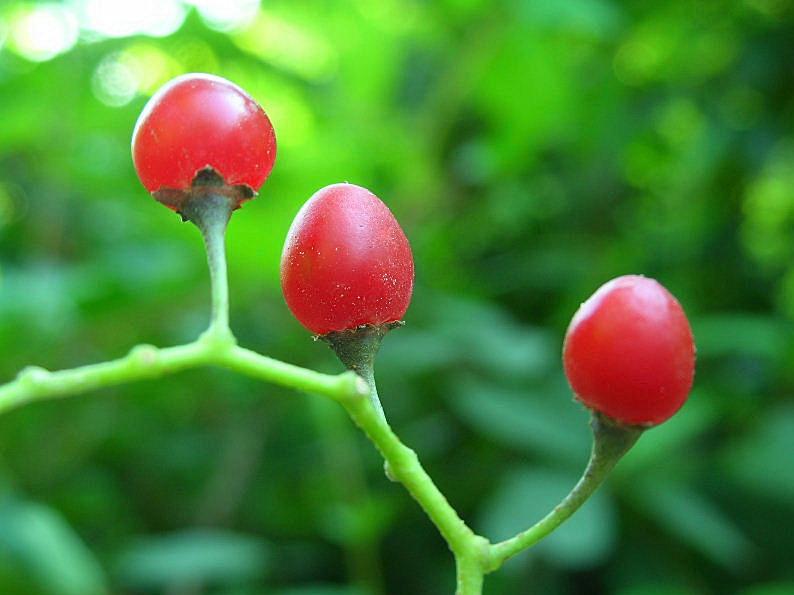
{"x": 144, "y": 355}
{"x": 33, "y": 376}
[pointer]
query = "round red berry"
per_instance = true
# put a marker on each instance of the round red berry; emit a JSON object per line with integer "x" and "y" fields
{"x": 629, "y": 352}
{"x": 200, "y": 122}
{"x": 346, "y": 262}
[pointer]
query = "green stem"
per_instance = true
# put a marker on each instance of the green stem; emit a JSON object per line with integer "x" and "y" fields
{"x": 610, "y": 442}
{"x": 357, "y": 349}
{"x": 146, "y": 361}
{"x": 211, "y": 213}
{"x": 143, "y": 361}
{"x": 261, "y": 367}
{"x": 470, "y": 574}
{"x": 405, "y": 467}
{"x": 355, "y": 390}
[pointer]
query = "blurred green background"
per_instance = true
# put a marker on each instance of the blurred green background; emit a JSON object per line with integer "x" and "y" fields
{"x": 532, "y": 150}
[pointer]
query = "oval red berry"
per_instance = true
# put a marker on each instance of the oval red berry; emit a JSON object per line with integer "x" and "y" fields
{"x": 197, "y": 121}
{"x": 629, "y": 352}
{"x": 346, "y": 262}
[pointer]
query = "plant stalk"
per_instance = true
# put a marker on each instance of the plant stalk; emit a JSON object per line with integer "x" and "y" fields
{"x": 211, "y": 212}
{"x": 610, "y": 442}
{"x": 470, "y": 574}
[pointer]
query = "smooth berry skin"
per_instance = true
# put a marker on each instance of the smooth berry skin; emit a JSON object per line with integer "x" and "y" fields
{"x": 629, "y": 352}
{"x": 346, "y": 262}
{"x": 197, "y": 121}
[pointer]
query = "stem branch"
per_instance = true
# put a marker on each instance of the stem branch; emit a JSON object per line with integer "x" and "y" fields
{"x": 261, "y": 367}
{"x": 146, "y": 361}
{"x": 610, "y": 442}
{"x": 355, "y": 390}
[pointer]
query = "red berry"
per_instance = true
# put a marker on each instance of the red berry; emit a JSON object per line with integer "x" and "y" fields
{"x": 346, "y": 262}
{"x": 629, "y": 352}
{"x": 200, "y": 121}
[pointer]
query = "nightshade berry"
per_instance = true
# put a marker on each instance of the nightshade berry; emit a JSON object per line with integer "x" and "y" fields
{"x": 346, "y": 262}
{"x": 201, "y": 131}
{"x": 629, "y": 352}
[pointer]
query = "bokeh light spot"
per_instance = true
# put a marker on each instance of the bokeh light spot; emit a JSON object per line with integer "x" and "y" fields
{"x": 288, "y": 46}
{"x": 634, "y": 63}
{"x": 114, "y": 82}
{"x": 40, "y": 33}
{"x": 153, "y": 66}
{"x": 141, "y": 68}
{"x": 680, "y": 122}
{"x": 227, "y": 15}
{"x": 195, "y": 55}
{"x": 769, "y": 209}
{"x": 3, "y": 32}
{"x": 123, "y": 18}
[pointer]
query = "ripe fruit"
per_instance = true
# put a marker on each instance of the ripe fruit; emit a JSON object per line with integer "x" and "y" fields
{"x": 629, "y": 352}
{"x": 202, "y": 123}
{"x": 346, "y": 262}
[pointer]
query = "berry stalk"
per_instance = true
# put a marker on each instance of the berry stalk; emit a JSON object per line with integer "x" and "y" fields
{"x": 611, "y": 441}
{"x": 211, "y": 212}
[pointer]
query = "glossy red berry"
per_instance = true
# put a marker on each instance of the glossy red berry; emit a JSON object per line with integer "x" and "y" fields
{"x": 629, "y": 352}
{"x": 200, "y": 121}
{"x": 346, "y": 262}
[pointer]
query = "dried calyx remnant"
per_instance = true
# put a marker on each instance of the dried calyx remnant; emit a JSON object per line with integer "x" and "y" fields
{"x": 206, "y": 182}
{"x": 357, "y": 348}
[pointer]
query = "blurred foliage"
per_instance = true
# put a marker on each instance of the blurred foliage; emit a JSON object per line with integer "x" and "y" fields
{"x": 532, "y": 149}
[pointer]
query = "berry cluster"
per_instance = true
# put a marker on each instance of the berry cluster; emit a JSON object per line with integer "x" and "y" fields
{"x": 347, "y": 266}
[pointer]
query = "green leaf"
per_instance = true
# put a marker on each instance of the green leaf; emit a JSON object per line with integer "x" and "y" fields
{"x": 658, "y": 446}
{"x": 52, "y": 554}
{"x": 595, "y": 17}
{"x": 658, "y": 590}
{"x": 549, "y": 424}
{"x": 770, "y": 589}
{"x": 525, "y": 496}
{"x": 694, "y": 519}
{"x": 194, "y": 557}
{"x": 757, "y": 460}
{"x": 761, "y": 336}
{"x": 321, "y": 590}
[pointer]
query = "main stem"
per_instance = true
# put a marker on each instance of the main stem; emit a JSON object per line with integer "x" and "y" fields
{"x": 357, "y": 349}
{"x": 470, "y": 574}
{"x": 211, "y": 213}
{"x": 474, "y": 555}
{"x": 470, "y": 550}
{"x": 610, "y": 442}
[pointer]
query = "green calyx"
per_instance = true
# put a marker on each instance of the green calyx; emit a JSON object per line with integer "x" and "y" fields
{"x": 357, "y": 349}
{"x": 612, "y": 439}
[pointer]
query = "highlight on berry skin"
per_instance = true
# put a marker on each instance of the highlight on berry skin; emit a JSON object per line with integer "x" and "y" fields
{"x": 629, "y": 352}
{"x": 346, "y": 262}
{"x": 202, "y": 130}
